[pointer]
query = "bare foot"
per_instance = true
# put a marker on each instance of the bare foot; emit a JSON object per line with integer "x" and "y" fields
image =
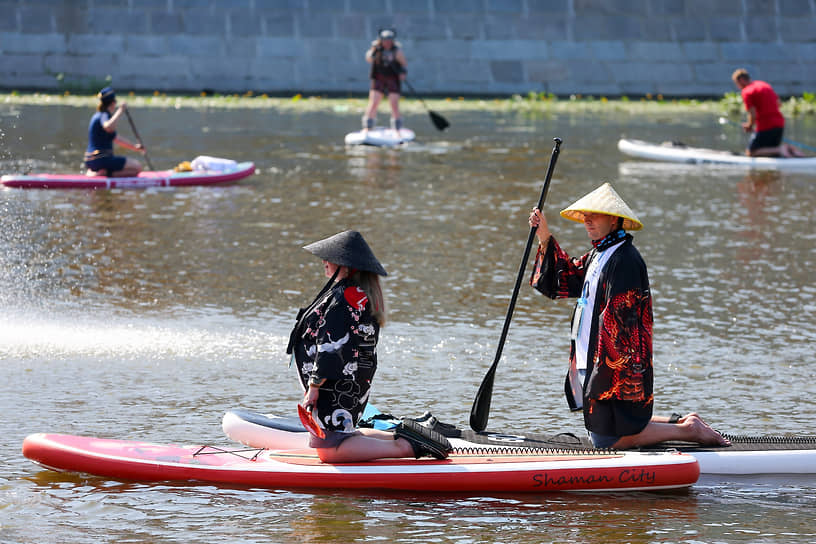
{"x": 701, "y": 432}
{"x": 794, "y": 152}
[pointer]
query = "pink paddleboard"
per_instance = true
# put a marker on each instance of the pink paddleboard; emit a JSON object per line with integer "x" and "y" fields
{"x": 161, "y": 178}
{"x": 467, "y": 470}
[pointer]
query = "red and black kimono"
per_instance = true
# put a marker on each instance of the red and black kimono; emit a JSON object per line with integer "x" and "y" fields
{"x": 617, "y": 389}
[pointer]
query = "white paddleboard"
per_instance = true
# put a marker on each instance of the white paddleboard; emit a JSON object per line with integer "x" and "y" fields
{"x": 380, "y": 136}
{"x": 677, "y": 152}
{"x": 746, "y": 455}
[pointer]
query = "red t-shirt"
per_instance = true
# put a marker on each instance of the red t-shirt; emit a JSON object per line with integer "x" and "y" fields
{"x": 762, "y": 97}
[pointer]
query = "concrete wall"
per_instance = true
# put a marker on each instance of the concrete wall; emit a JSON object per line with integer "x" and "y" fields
{"x": 598, "y": 47}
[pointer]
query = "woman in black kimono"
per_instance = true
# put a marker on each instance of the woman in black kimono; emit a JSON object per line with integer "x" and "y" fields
{"x": 334, "y": 345}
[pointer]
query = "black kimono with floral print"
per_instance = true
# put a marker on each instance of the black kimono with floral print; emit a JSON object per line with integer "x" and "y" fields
{"x": 618, "y": 386}
{"x": 336, "y": 339}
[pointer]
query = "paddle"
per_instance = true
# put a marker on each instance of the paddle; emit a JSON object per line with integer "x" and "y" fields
{"x": 439, "y": 122}
{"x": 308, "y": 421}
{"x": 725, "y": 121}
{"x": 138, "y": 138}
{"x": 480, "y": 410}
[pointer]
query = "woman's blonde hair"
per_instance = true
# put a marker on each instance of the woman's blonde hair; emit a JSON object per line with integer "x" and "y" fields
{"x": 370, "y": 283}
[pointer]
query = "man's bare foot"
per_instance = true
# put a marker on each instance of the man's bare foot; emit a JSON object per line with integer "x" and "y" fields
{"x": 701, "y": 432}
{"x": 794, "y": 152}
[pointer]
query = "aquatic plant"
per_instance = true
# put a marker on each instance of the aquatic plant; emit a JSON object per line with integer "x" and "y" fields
{"x": 794, "y": 106}
{"x": 533, "y": 103}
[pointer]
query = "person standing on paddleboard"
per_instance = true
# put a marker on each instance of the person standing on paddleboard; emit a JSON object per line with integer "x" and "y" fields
{"x": 762, "y": 105}
{"x": 99, "y": 157}
{"x": 334, "y": 346}
{"x": 610, "y": 375}
{"x": 388, "y": 69}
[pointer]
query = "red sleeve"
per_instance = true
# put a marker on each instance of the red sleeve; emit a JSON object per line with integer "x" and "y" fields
{"x": 556, "y": 274}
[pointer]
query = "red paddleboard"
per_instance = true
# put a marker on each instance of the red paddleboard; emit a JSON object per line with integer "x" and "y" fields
{"x": 464, "y": 471}
{"x": 163, "y": 178}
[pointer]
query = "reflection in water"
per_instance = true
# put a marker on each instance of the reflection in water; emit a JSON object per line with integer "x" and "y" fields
{"x": 754, "y": 192}
{"x": 557, "y": 516}
{"x": 331, "y": 519}
{"x": 378, "y": 168}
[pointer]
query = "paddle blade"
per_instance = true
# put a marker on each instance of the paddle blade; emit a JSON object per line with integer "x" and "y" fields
{"x": 480, "y": 411}
{"x": 308, "y": 421}
{"x": 439, "y": 122}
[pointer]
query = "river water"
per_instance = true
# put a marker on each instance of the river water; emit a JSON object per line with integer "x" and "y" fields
{"x": 145, "y": 314}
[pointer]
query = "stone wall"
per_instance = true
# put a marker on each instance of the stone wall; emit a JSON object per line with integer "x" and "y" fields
{"x": 453, "y": 47}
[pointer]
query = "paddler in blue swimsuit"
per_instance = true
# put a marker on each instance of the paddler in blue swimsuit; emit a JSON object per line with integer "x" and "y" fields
{"x": 99, "y": 157}
{"x": 610, "y": 375}
{"x": 334, "y": 346}
{"x": 388, "y": 69}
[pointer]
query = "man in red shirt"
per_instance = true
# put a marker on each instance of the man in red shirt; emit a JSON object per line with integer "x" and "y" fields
{"x": 762, "y": 105}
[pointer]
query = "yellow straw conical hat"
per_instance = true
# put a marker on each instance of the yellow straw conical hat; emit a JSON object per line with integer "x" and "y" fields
{"x": 604, "y": 199}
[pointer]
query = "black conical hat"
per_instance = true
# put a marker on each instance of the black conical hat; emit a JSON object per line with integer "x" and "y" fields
{"x": 347, "y": 248}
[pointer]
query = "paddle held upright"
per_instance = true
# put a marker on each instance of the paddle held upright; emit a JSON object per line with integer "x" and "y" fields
{"x": 480, "y": 411}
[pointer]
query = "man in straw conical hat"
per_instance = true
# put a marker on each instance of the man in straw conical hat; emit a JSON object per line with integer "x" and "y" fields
{"x": 610, "y": 375}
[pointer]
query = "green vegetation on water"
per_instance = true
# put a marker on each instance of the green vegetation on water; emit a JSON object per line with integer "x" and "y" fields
{"x": 534, "y": 103}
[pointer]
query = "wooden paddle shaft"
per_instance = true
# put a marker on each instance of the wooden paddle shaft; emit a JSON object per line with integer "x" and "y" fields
{"x": 138, "y": 138}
